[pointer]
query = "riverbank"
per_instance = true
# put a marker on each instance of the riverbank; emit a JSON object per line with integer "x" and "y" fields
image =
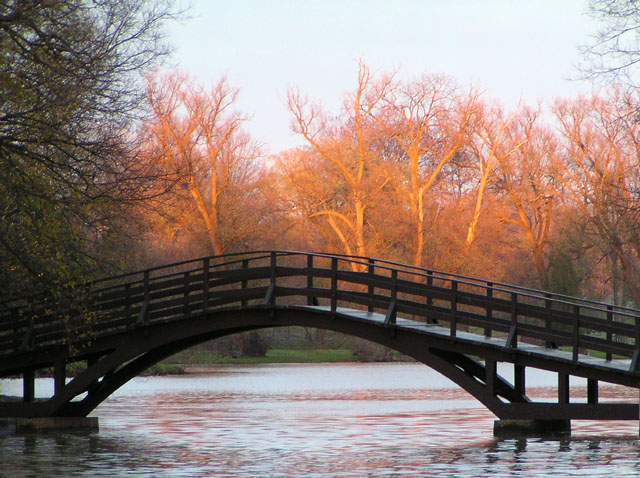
{"x": 182, "y": 362}
{"x": 205, "y": 357}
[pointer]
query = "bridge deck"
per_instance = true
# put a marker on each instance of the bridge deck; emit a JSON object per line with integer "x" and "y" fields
{"x": 473, "y": 338}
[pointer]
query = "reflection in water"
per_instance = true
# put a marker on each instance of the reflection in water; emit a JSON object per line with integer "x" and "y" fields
{"x": 310, "y": 421}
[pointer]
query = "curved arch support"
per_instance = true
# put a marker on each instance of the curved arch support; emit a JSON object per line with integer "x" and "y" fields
{"x": 146, "y": 348}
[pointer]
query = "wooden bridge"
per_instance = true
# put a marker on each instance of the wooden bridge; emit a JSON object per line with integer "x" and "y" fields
{"x": 460, "y": 326}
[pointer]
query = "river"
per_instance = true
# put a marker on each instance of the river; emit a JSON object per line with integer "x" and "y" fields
{"x": 311, "y": 420}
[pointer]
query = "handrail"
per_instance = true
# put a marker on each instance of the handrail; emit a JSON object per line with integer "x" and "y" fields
{"x": 391, "y": 288}
{"x": 391, "y": 265}
{"x": 379, "y": 264}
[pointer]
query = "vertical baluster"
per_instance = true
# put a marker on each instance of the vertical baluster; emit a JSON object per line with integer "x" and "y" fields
{"x": 244, "y": 283}
{"x": 454, "y": 308}
{"x": 185, "y": 298}
{"x": 206, "y": 265}
{"x": 273, "y": 266}
{"x": 371, "y": 272}
{"x": 334, "y": 284}
{"x": 147, "y": 298}
{"x": 429, "y": 296}
{"x": 271, "y": 292}
{"x": 512, "y": 340}
{"x": 637, "y": 334}
{"x": 609, "y": 334}
{"x": 489, "y": 316}
{"x": 14, "y": 321}
{"x": 576, "y": 331}
{"x": 127, "y": 303}
{"x": 635, "y": 359}
{"x": 310, "y": 296}
{"x": 391, "y": 310}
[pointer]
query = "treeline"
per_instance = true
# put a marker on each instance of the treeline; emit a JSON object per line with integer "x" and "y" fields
{"x": 106, "y": 167}
{"x": 423, "y": 171}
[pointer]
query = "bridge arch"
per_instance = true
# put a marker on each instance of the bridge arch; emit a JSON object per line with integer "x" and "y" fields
{"x": 150, "y": 346}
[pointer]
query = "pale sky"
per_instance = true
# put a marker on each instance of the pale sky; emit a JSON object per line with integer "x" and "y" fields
{"x": 511, "y": 49}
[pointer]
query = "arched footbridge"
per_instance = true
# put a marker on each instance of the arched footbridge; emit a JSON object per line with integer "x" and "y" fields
{"x": 460, "y": 326}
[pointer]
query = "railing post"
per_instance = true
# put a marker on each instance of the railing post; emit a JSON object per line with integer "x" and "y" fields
{"x": 635, "y": 359}
{"x": 609, "y": 334}
{"x": 206, "y": 264}
{"x": 185, "y": 300}
{"x": 454, "y": 308}
{"x": 309, "y": 279}
{"x": 147, "y": 294}
{"x": 371, "y": 289}
{"x": 270, "y": 297}
{"x": 547, "y": 305}
{"x": 14, "y": 320}
{"x": 489, "y": 316}
{"x": 512, "y": 339}
{"x": 127, "y": 301}
{"x": 429, "y": 296}
{"x": 274, "y": 259}
{"x": 391, "y": 310}
{"x": 334, "y": 284}
{"x": 576, "y": 331}
{"x": 244, "y": 283}
{"x": 394, "y": 285}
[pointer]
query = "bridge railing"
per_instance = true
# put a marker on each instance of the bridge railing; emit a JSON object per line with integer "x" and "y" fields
{"x": 461, "y": 304}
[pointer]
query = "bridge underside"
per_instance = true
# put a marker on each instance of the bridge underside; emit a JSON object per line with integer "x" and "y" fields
{"x": 113, "y": 360}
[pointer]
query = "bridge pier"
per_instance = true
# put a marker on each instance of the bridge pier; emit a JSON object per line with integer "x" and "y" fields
{"x": 44, "y": 424}
{"x": 29, "y": 385}
{"x": 508, "y": 428}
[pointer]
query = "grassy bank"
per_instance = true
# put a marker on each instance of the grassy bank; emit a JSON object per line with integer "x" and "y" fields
{"x": 203, "y": 357}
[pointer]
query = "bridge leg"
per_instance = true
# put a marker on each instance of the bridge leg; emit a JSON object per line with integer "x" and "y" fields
{"x": 563, "y": 388}
{"x": 521, "y": 428}
{"x": 59, "y": 375}
{"x": 592, "y": 391}
{"x": 29, "y": 385}
{"x": 519, "y": 379}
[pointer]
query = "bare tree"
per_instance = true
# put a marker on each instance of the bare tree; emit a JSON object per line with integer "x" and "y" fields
{"x": 345, "y": 145}
{"x": 198, "y": 141}
{"x": 491, "y": 145}
{"x": 525, "y": 178}
{"x": 431, "y": 120}
{"x": 614, "y": 52}
{"x": 599, "y": 174}
{"x": 71, "y": 89}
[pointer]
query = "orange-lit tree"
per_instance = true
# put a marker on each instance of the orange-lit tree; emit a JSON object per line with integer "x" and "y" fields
{"x": 430, "y": 119}
{"x": 197, "y": 140}
{"x": 524, "y": 178}
{"x": 490, "y": 145}
{"x": 339, "y": 169}
{"x": 600, "y": 174}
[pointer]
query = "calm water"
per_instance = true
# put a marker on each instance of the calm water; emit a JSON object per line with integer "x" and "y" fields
{"x": 343, "y": 420}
